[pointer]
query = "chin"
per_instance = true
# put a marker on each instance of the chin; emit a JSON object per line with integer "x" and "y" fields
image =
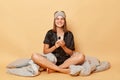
{"x": 60, "y": 26}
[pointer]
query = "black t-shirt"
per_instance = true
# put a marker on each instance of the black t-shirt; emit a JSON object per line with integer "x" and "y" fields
{"x": 61, "y": 55}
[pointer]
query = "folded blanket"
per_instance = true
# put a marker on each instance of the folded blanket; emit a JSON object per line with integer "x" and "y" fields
{"x": 19, "y": 63}
{"x": 90, "y": 65}
{"x": 26, "y": 67}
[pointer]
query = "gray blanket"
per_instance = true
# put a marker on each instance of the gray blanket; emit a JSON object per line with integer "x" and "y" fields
{"x": 26, "y": 67}
{"x": 90, "y": 65}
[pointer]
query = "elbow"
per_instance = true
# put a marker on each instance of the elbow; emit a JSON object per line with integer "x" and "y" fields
{"x": 71, "y": 52}
{"x": 45, "y": 51}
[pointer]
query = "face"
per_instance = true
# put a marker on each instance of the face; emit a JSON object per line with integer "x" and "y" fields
{"x": 59, "y": 21}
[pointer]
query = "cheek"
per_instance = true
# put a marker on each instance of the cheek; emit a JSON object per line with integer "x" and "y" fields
{"x": 63, "y": 21}
{"x": 56, "y": 21}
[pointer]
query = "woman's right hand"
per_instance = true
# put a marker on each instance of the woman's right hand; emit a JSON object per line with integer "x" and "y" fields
{"x": 57, "y": 44}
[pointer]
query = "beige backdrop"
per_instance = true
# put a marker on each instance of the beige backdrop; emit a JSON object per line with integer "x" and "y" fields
{"x": 94, "y": 23}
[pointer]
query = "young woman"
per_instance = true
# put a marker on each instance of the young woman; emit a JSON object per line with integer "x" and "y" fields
{"x": 60, "y": 42}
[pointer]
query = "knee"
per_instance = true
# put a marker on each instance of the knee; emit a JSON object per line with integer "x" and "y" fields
{"x": 34, "y": 57}
{"x": 81, "y": 58}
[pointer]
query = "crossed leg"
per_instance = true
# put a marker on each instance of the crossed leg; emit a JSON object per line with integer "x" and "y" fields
{"x": 76, "y": 58}
{"x": 45, "y": 63}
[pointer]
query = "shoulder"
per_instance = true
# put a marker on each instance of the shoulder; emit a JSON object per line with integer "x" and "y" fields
{"x": 69, "y": 33}
{"x": 50, "y": 32}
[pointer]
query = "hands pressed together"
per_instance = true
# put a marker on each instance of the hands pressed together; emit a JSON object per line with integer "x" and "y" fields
{"x": 60, "y": 43}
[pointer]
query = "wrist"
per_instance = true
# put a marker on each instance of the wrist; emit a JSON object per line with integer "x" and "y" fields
{"x": 63, "y": 46}
{"x": 55, "y": 46}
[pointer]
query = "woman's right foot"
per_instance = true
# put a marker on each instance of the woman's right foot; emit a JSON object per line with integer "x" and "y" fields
{"x": 50, "y": 70}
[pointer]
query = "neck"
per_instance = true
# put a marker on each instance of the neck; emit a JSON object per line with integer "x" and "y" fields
{"x": 59, "y": 30}
{"x": 60, "y": 33}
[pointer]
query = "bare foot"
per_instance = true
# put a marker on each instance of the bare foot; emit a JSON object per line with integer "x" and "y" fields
{"x": 49, "y": 70}
{"x": 65, "y": 71}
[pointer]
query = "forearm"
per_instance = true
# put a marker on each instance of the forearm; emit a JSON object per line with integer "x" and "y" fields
{"x": 67, "y": 50}
{"x": 49, "y": 50}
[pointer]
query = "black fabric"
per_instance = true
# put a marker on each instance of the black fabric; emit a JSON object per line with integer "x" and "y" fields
{"x": 51, "y": 38}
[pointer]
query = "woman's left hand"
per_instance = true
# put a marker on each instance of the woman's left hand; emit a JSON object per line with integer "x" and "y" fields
{"x": 62, "y": 43}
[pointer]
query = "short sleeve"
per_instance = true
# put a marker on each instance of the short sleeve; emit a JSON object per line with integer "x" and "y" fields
{"x": 47, "y": 38}
{"x": 70, "y": 41}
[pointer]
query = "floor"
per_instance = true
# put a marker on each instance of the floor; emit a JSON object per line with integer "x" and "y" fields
{"x": 112, "y": 73}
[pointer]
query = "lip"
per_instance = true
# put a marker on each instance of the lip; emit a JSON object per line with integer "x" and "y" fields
{"x": 59, "y": 23}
